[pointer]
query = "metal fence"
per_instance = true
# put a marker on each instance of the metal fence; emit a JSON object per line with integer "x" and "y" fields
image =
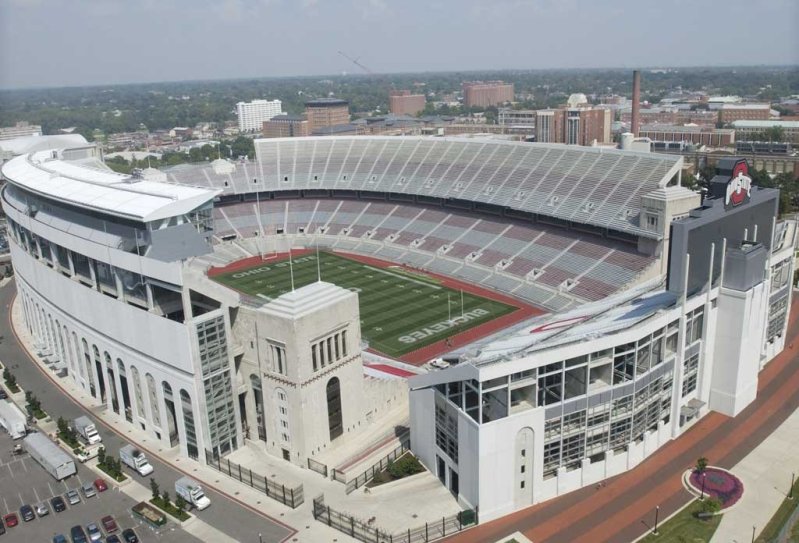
{"x": 318, "y": 467}
{"x": 293, "y": 497}
{"x": 369, "y": 474}
{"x": 368, "y": 532}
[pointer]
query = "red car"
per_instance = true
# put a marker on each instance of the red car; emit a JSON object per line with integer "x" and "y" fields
{"x": 11, "y": 520}
{"x": 109, "y": 524}
{"x": 100, "y": 485}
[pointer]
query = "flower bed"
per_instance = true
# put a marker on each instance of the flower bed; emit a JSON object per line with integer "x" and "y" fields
{"x": 719, "y": 484}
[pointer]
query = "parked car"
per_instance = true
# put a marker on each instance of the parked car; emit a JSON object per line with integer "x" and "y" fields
{"x": 77, "y": 535}
{"x": 58, "y": 538}
{"x": 94, "y": 532}
{"x": 73, "y": 497}
{"x": 26, "y": 512}
{"x": 2, "y": 528}
{"x": 130, "y": 536}
{"x": 59, "y": 506}
{"x": 42, "y": 509}
{"x": 11, "y": 520}
{"x": 100, "y": 485}
{"x": 109, "y": 524}
{"x": 113, "y": 539}
{"x": 88, "y": 490}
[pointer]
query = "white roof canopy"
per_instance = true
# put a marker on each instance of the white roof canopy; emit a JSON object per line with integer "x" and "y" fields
{"x": 104, "y": 191}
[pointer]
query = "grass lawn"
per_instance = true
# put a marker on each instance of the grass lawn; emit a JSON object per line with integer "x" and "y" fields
{"x": 685, "y": 527}
{"x": 779, "y": 519}
{"x": 399, "y": 311}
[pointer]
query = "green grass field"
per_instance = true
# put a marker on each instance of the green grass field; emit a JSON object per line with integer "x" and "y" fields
{"x": 399, "y": 313}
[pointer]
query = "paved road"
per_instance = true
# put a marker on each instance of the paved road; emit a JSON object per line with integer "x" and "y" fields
{"x": 624, "y": 508}
{"x": 235, "y": 520}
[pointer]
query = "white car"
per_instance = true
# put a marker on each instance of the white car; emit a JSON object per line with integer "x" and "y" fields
{"x": 439, "y": 363}
{"x": 42, "y": 510}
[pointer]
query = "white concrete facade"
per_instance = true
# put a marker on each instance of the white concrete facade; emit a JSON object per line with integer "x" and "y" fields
{"x": 253, "y": 114}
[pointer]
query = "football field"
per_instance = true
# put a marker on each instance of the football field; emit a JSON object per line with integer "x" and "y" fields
{"x": 401, "y": 311}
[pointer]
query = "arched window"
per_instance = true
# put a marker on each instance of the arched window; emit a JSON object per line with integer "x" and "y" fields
{"x": 153, "y": 395}
{"x": 188, "y": 424}
{"x": 334, "y": 419}
{"x": 137, "y": 391}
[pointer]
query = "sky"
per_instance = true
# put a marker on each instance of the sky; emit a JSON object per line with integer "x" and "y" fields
{"x": 52, "y": 43}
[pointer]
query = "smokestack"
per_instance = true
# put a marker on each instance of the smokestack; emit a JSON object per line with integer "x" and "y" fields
{"x": 636, "y": 102}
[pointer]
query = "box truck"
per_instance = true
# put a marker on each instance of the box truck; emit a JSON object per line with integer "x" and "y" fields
{"x": 192, "y": 492}
{"x": 13, "y": 420}
{"x": 50, "y": 456}
{"x": 87, "y": 430}
{"x": 135, "y": 459}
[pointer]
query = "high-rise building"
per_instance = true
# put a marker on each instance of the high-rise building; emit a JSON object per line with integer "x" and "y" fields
{"x": 402, "y": 102}
{"x": 327, "y": 112}
{"x": 253, "y": 114}
{"x": 20, "y": 130}
{"x": 286, "y": 126}
{"x": 486, "y": 93}
{"x": 573, "y": 126}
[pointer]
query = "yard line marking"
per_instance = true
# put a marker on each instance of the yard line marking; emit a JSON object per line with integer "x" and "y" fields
{"x": 406, "y": 278}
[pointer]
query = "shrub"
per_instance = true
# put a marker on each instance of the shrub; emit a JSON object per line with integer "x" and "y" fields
{"x": 701, "y": 464}
{"x": 711, "y": 505}
{"x": 180, "y": 503}
{"x": 404, "y": 466}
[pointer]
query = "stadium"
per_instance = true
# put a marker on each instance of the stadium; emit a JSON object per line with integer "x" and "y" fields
{"x": 586, "y": 306}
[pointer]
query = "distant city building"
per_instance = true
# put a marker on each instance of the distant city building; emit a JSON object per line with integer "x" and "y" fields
{"x": 253, "y": 114}
{"x": 20, "y": 130}
{"x": 486, "y": 93}
{"x": 744, "y": 112}
{"x": 327, "y": 112}
{"x": 747, "y": 130}
{"x": 516, "y": 117}
{"x": 402, "y": 102}
{"x": 181, "y": 132}
{"x": 714, "y": 137}
{"x": 286, "y": 126}
{"x": 573, "y": 126}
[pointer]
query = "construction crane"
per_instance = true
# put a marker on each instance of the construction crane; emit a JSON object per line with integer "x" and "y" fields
{"x": 355, "y": 61}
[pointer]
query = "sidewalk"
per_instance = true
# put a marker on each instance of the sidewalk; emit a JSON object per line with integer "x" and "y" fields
{"x": 766, "y": 475}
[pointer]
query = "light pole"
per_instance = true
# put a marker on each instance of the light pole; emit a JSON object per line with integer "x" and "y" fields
{"x": 657, "y": 511}
{"x": 260, "y": 539}
{"x": 753, "y": 534}
{"x": 702, "y": 494}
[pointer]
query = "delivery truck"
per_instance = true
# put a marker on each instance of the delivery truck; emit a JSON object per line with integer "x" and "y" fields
{"x": 50, "y": 456}
{"x": 13, "y": 420}
{"x": 192, "y": 492}
{"x": 135, "y": 459}
{"x": 87, "y": 430}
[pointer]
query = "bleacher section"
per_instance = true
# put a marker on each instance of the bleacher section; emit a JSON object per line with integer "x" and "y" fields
{"x": 592, "y": 186}
{"x": 547, "y": 265}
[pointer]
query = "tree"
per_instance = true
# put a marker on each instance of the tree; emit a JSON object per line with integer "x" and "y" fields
{"x": 165, "y": 497}
{"x": 180, "y": 503}
{"x": 701, "y": 464}
{"x": 63, "y": 426}
{"x": 101, "y": 459}
{"x": 154, "y": 488}
{"x": 775, "y": 133}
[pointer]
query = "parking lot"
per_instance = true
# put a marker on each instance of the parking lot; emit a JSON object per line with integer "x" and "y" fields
{"x": 23, "y": 481}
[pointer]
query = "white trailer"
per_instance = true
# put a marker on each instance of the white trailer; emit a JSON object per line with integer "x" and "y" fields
{"x": 54, "y": 460}
{"x": 192, "y": 492}
{"x": 135, "y": 459}
{"x": 87, "y": 430}
{"x": 13, "y": 420}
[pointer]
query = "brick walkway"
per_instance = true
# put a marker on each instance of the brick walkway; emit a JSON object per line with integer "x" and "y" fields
{"x": 624, "y": 509}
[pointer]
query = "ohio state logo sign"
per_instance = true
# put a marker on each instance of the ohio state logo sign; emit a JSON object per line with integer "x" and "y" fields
{"x": 739, "y": 186}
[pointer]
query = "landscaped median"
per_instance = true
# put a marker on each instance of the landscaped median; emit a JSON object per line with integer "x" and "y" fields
{"x": 162, "y": 501}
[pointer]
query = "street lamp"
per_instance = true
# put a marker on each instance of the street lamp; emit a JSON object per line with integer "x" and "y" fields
{"x": 702, "y": 494}
{"x": 260, "y": 539}
{"x": 657, "y": 511}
